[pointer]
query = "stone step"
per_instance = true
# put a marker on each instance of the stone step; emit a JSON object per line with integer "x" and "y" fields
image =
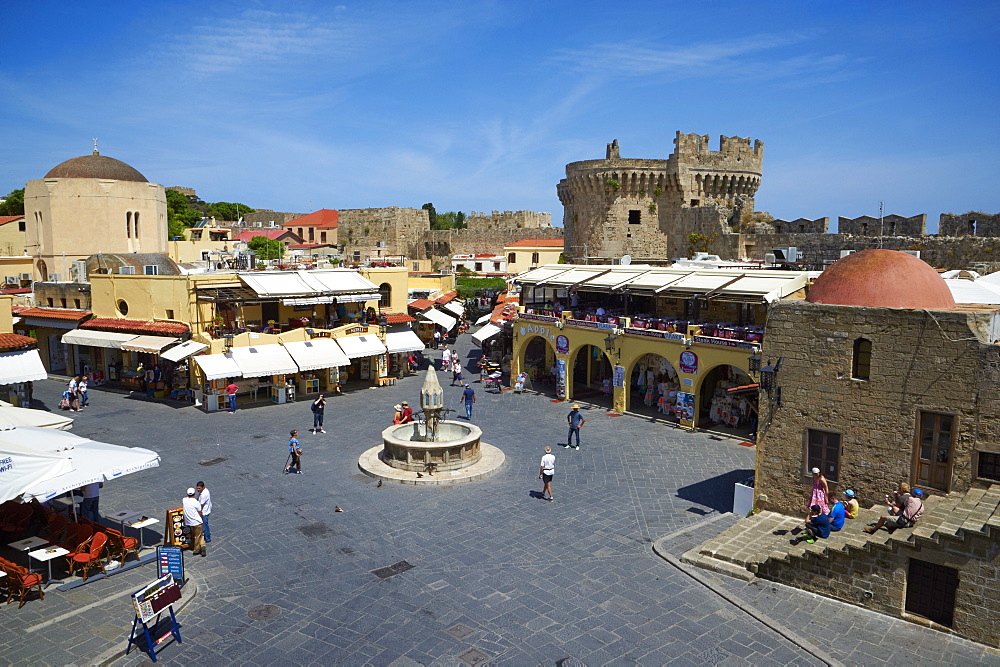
{"x": 692, "y": 557}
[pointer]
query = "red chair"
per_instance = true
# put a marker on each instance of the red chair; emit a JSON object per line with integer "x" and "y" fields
{"x": 88, "y": 554}
{"x": 121, "y": 545}
{"x": 75, "y": 535}
{"x": 20, "y": 582}
{"x": 55, "y": 529}
{"x": 16, "y": 520}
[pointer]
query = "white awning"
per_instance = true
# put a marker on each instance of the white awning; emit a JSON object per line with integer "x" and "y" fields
{"x": 541, "y": 274}
{"x": 261, "y": 360}
{"x": 403, "y": 341}
{"x": 110, "y": 339}
{"x": 484, "y": 319}
{"x": 574, "y": 276}
{"x": 310, "y": 355}
{"x": 183, "y": 351}
{"x": 341, "y": 283}
{"x": 455, "y": 307}
{"x": 356, "y": 347}
{"x": 152, "y": 344}
{"x": 218, "y": 366}
{"x": 21, "y": 366}
{"x": 358, "y": 298}
{"x": 485, "y": 333}
{"x": 439, "y": 318}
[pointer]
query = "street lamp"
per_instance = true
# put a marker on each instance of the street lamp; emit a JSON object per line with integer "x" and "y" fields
{"x": 753, "y": 363}
{"x": 227, "y": 342}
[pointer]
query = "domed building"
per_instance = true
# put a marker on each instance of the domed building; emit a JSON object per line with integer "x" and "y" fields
{"x": 89, "y": 204}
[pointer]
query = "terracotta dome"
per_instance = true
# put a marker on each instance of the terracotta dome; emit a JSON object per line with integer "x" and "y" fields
{"x": 882, "y": 279}
{"x": 96, "y": 166}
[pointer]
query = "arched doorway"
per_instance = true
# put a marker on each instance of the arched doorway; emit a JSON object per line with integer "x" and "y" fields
{"x": 592, "y": 376}
{"x": 538, "y": 360}
{"x": 384, "y": 296}
{"x": 652, "y": 387}
{"x": 727, "y": 403}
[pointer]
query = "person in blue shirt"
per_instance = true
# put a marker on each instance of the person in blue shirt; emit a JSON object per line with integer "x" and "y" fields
{"x": 468, "y": 397}
{"x": 575, "y": 420}
{"x": 817, "y": 525}
{"x": 295, "y": 452}
{"x": 837, "y": 512}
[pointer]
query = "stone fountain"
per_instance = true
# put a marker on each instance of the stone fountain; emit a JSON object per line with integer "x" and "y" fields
{"x": 431, "y": 444}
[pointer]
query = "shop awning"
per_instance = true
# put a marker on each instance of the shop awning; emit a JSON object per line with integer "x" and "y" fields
{"x": 439, "y": 318}
{"x": 109, "y": 339}
{"x": 261, "y": 360}
{"x": 403, "y": 341}
{"x": 151, "y": 344}
{"x": 183, "y": 351}
{"x": 541, "y": 274}
{"x": 356, "y": 347}
{"x": 484, "y": 319}
{"x": 21, "y": 366}
{"x": 218, "y": 366}
{"x": 455, "y": 307}
{"x": 344, "y": 284}
{"x": 485, "y": 333}
{"x": 574, "y": 276}
{"x": 310, "y": 355}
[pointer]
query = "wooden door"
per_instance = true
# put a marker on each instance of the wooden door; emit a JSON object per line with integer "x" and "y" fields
{"x": 934, "y": 450}
{"x": 930, "y": 591}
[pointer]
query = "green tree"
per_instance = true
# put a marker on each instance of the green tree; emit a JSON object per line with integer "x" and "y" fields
{"x": 180, "y": 213}
{"x": 450, "y": 220}
{"x": 431, "y": 213}
{"x": 266, "y": 248}
{"x": 14, "y": 203}
{"x": 224, "y": 210}
{"x": 468, "y": 287}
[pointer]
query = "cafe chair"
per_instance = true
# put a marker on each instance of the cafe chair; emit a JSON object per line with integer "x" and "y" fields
{"x": 120, "y": 546}
{"x": 88, "y": 554}
{"x": 16, "y": 520}
{"x": 54, "y": 529}
{"x": 20, "y": 582}
{"x": 75, "y": 535}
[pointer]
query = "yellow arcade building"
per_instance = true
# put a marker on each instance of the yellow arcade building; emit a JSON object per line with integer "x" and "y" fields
{"x": 681, "y": 344}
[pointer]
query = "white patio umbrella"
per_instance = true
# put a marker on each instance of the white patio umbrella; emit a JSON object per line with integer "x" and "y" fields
{"x": 27, "y": 417}
{"x": 23, "y": 467}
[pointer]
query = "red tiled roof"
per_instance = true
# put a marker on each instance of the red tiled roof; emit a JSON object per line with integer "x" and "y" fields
{"x": 505, "y": 310}
{"x": 487, "y": 254}
{"x": 309, "y": 246}
{"x": 55, "y": 313}
{"x": 16, "y": 290}
{"x": 398, "y": 318}
{"x": 536, "y": 243}
{"x": 136, "y": 326}
{"x": 17, "y": 310}
{"x": 4, "y": 219}
{"x": 421, "y": 304}
{"x": 12, "y": 341}
{"x": 446, "y": 298}
{"x": 269, "y": 233}
{"x": 325, "y": 218}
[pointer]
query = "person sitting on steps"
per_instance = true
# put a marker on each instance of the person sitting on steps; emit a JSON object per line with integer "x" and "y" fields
{"x": 904, "y": 512}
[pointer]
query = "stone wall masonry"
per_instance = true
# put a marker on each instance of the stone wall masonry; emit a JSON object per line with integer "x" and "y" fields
{"x": 508, "y": 220}
{"x": 973, "y": 223}
{"x": 266, "y": 217}
{"x": 402, "y": 230}
{"x": 920, "y": 362}
{"x": 889, "y": 225}
{"x": 439, "y": 245}
{"x": 799, "y": 225}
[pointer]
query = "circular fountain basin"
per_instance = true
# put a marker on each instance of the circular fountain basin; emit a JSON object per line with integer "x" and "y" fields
{"x": 457, "y": 446}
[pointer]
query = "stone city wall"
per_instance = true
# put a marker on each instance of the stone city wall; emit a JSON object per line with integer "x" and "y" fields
{"x": 439, "y": 245}
{"x": 508, "y": 220}
{"x": 973, "y": 223}
{"x": 888, "y": 225}
{"x": 361, "y": 230}
{"x": 267, "y": 218}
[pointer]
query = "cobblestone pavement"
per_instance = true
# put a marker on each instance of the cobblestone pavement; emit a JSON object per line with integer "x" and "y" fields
{"x": 497, "y": 574}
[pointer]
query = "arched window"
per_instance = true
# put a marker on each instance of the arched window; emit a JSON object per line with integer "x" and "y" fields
{"x": 385, "y": 295}
{"x": 135, "y": 224}
{"x": 128, "y": 224}
{"x": 861, "y": 368}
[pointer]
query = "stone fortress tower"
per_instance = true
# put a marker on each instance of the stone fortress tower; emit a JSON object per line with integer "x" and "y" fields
{"x": 649, "y": 208}
{"x": 90, "y": 204}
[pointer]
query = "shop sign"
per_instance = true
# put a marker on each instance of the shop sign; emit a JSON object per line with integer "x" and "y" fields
{"x": 544, "y": 332}
{"x": 562, "y": 344}
{"x": 592, "y": 325}
{"x": 689, "y": 362}
{"x": 687, "y": 382}
{"x": 619, "y": 376}
{"x": 727, "y": 342}
{"x": 561, "y": 378}
{"x": 537, "y": 318}
{"x": 655, "y": 333}
{"x": 685, "y": 406}
{"x": 354, "y": 330}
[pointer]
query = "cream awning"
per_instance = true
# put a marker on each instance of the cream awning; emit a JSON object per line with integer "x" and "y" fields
{"x": 439, "y": 318}
{"x": 484, "y": 319}
{"x": 261, "y": 360}
{"x": 110, "y": 339}
{"x": 542, "y": 274}
{"x": 356, "y": 347}
{"x": 310, "y": 355}
{"x": 455, "y": 307}
{"x": 218, "y": 366}
{"x": 152, "y": 344}
{"x": 485, "y": 333}
{"x": 574, "y": 276}
{"x": 21, "y": 366}
{"x": 183, "y": 351}
{"x": 341, "y": 283}
{"x": 403, "y": 341}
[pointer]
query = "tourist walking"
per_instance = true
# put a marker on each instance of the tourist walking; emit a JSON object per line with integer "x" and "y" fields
{"x": 456, "y": 371}
{"x": 820, "y": 491}
{"x": 546, "y": 470}
{"x": 81, "y": 390}
{"x": 575, "y": 420}
{"x": 437, "y": 338}
{"x": 74, "y": 393}
{"x": 407, "y": 413}
{"x": 317, "y": 407}
{"x": 469, "y": 398}
{"x": 445, "y": 358}
{"x": 295, "y": 452}
{"x": 205, "y": 498}
{"x": 231, "y": 390}
{"x": 193, "y": 521}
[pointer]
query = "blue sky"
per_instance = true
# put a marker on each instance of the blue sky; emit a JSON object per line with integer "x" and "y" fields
{"x": 479, "y": 105}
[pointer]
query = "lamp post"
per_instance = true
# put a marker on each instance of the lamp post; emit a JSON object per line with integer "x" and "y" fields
{"x": 609, "y": 345}
{"x": 753, "y": 364}
{"x": 227, "y": 342}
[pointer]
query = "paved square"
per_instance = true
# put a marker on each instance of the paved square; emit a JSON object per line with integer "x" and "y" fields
{"x": 481, "y": 571}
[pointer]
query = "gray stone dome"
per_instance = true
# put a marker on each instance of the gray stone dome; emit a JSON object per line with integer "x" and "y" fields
{"x": 96, "y": 166}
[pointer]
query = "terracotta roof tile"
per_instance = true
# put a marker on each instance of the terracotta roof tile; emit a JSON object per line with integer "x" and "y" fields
{"x": 446, "y": 298}
{"x": 421, "y": 304}
{"x": 16, "y": 290}
{"x": 325, "y": 218}
{"x": 4, "y": 219}
{"x": 398, "y": 318}
{"x": 269, "y": 233}
{"x": 55, "y": 313}
{"x": 136, "y": 326}
{"x": 12, "y": 341}
{"x": 536, "y": 243}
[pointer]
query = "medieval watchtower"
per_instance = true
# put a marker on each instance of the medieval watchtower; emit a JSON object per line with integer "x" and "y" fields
{"x": 648, "y": 208}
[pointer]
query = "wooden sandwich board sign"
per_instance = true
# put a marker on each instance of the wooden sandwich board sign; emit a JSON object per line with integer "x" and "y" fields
{"x": 173, "y": 534}
{"x": 149, "y": 602}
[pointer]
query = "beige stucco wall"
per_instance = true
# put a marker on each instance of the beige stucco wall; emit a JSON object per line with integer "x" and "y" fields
{"x": 522, "y": 257}
{"x": 68, "y": 219}
{"x": 12, "y": 239}
{"x": 434, "y": 283}
{"x": 6, "y": 317}
{"x": 146, "y": 297}
{"x": 15, "y": 266}
{"x": 398, "y": 279}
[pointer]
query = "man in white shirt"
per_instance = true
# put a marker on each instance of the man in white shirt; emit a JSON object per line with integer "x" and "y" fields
{"x": 445, "y": 358}
{"x": 194, "y": 521}
{"x": 545, "y": 472}
{"x": 89, "y": 506}
{"x": 205, "y": 498}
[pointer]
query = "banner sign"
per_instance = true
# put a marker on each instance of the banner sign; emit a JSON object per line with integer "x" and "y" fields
{"x": 619, "y": 376}
{"x": 170, "y": 560}
{"x": 537, "y": 318}
{"x": 655, "y": 333}
{"x": 592, "y": 325}
{"x": 728, "y": 342}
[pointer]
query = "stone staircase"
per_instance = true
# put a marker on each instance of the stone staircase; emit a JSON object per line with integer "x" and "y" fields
{"x": 741, "y": 549}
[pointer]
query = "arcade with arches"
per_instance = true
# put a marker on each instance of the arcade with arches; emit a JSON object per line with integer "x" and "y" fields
{"x": 727, "y": 400}
{"x": 652, "y": 387}
{"x": 592, "y": 375}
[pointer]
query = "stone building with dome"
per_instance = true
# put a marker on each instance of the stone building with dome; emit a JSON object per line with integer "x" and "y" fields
{"x": 90, "y": 204}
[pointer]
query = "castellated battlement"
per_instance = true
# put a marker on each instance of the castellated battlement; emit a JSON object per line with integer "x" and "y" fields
{"x": 889, "y": 225}
{"x": 508, "y": 220}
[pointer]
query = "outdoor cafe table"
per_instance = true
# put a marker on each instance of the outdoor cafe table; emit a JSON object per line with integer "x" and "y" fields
{"x": 46, "y": 555}
{"x": 27, "y": 544}
{"x": 142, "y": 524}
